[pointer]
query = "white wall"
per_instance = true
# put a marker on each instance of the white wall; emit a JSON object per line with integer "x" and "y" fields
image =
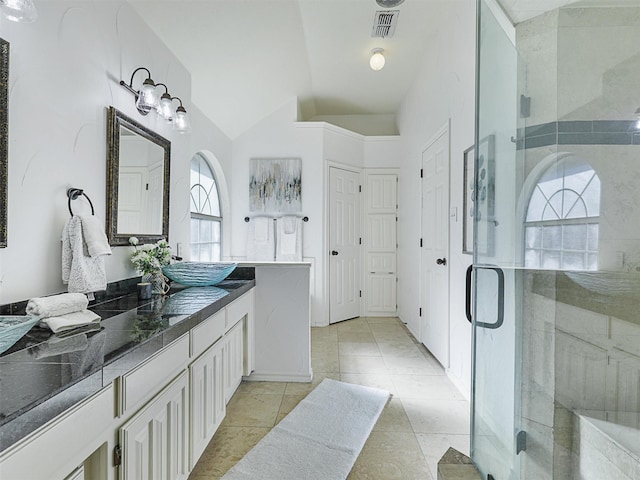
{"x": 64, "y": 73}
{"x": 317, "y": 144}
{"x": 442, "y": 90}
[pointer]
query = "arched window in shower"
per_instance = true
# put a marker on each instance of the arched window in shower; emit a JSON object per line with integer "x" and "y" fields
{"x": 562, "y": 218}
{"x": 206, "y": 216}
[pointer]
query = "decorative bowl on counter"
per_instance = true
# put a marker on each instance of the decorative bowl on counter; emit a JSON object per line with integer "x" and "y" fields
{"x": 13, "y": 328}
{"x": 198, "y": 274}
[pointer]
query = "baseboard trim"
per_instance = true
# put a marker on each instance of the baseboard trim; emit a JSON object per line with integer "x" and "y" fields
{"x": 279, "y": 377}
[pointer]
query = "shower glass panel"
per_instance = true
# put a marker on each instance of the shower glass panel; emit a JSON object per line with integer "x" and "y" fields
{"x": 496, "y": 313}
{"x": 556, "y": 274}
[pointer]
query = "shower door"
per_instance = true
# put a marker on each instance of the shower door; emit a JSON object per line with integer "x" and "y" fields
{"x": 493, "y": 281}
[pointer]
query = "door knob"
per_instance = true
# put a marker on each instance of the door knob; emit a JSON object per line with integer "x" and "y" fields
{"x": 333, "y": 252}
{"x": 441, "y": 261}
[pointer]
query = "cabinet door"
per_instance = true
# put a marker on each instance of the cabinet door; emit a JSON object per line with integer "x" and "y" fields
{"x": 232, "y": 363}
{"x": 155, "y": 441}
{"x": 208, "y": 405}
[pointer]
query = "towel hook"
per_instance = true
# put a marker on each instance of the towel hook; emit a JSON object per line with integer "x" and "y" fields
{"x": 74, "y": 193}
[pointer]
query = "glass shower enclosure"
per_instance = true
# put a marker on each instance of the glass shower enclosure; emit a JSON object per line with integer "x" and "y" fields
{"x": 555, "y": 281}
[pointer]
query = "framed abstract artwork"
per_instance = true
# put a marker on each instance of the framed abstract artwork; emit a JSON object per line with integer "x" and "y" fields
{"x": 479, "y": 197}
{"x": 468, "y": 202}
{"x": 275, "y": 185}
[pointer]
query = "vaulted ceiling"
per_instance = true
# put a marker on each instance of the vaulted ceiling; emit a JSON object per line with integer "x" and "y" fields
{"x": 248, "y": 57}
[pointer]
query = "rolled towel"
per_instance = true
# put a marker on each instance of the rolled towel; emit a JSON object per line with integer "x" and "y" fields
{"x": 94, "y": 236}
{"x": 57, "y": 305}
{"x": 68, "y": 321}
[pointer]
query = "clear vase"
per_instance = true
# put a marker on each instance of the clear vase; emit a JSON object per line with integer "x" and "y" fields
{"x": 159, "y": 283}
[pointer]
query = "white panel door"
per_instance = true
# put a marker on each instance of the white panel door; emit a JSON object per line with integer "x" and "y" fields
{"x": 434, "y": 324}
{"x": 155, "y": 441}
{"x": 381, "y": 293}
{"x": 344, "y": 244}
{"x": 131, "y": 208}
{"x": 381, "y": 243}
{"x": 154, "y": 200}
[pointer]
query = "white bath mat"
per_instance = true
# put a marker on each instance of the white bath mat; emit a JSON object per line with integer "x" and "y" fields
{"x": 320, "y": 439}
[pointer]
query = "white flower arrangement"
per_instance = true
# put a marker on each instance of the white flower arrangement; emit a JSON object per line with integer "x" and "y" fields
{"x": 150, "y": 258}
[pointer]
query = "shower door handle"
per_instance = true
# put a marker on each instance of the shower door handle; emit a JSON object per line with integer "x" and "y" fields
{"x": 467, "y": 295}
{"x": 500, "y": 314}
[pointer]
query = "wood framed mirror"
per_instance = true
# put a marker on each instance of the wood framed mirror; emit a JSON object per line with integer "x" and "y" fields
{"x": 4, "y": 138}
{"x": 137, "y": 181}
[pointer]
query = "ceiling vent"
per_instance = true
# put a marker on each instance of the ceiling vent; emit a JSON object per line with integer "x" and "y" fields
{"x": 384, "y": 23}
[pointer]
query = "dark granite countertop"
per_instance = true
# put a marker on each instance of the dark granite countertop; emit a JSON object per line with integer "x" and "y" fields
{"x": 44, "y": 374}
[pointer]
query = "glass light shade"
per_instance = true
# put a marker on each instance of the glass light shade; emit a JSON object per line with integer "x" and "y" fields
{"x": 181, "y": 121}
{"x": 165, "y": 108}
{"x": 377, "y": 60}
{"x": 147, "y": 97}
{"x": 19, "y": 10}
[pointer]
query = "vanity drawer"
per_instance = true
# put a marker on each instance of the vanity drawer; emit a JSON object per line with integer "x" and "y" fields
{"x": 59, "y": 446}
{"x": 148, "y": 378}
{"x": 207, "y": 333}
{"x": 237, "y": 309}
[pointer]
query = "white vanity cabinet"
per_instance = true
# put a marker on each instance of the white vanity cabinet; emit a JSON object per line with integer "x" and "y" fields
{"x": 163, "y": 412}
{"x": 208, "y": 406}
{"x": 155, "y": 441}
{"x": 232, "y": 360}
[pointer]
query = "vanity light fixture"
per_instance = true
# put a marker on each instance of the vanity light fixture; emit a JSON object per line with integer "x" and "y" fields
{"x": 164, "y": 107}
{"x": 19, "y": 10}
{"x": 637, "y": 114}
{"x": 148, "y": 99}
{"x": 377, "y": 60}
{"x": 181, "y": 122}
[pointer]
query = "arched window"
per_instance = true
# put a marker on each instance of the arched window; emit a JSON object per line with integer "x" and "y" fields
{"x": 206, "y": 218}
{"x": 562, "y": 219}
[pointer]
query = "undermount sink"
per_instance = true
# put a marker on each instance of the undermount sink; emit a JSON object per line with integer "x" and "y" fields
{"x": 198, "y": 274}
{"x": 13, "y": 328}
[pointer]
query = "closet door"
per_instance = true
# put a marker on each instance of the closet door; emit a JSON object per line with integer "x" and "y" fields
{"x": 381, "y": 242}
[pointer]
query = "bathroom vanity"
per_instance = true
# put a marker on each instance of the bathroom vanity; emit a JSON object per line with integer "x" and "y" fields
{"x": 139, "y": 397}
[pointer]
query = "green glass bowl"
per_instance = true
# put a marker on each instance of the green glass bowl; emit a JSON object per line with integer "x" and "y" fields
{"x": 13, "y": 328}
{"x": 198, "y": 274}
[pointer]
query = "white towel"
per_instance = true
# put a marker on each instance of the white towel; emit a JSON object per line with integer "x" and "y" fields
{"x": 289, "y": 241}
{"x": 260, "y": 239}
{"x": 70, "y": 320}
{"x": 56, "y": 305}
{"x": 94, "y": 236}
{"x": 83, "y": 273}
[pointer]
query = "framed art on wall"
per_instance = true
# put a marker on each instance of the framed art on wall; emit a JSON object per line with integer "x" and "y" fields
{"x": 479, "y": 198}
{"x": 468, "y": 202}
{"x": 275, "y": 185}
{"x": 485, "y": 197}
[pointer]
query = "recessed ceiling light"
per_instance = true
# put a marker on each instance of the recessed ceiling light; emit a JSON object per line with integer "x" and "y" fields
{"x": 389, "y": 3}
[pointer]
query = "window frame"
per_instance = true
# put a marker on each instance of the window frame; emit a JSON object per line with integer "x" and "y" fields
{"x": 216, "y": 219}
{"x": 587, "y": 221}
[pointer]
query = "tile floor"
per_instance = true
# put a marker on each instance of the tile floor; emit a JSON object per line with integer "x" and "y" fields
{"x": 425, "y": 415}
